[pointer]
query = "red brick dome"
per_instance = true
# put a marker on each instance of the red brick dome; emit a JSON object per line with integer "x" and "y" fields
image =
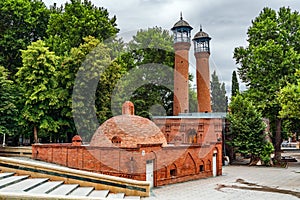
{"x": 127, "y": 130}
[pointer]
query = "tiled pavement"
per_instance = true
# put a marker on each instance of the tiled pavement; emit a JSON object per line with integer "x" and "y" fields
{"x": 278, "y": 180}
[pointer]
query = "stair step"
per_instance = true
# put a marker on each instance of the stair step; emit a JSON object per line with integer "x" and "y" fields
{"x": 24, "y": 185}
{"x": 115, "y": 195}
{"x": 99, "y": 193}
{"x": 11, "y": 180}
{"x": 64, "y": 189}
{"x": 82, "y": 191}
{"x": 46, "y": 187}
{"x": 5, "y": 175}
{"x": 132, "y": 197}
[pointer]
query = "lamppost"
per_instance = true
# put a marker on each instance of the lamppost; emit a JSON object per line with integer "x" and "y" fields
{"x": 3, "y": 144}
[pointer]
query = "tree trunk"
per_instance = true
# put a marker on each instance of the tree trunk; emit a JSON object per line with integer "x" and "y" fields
{"x": 35, "y": 134}
{"x": 278, "y": 140}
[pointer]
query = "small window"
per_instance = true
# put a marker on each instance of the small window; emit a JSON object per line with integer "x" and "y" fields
{"x": 116, "y": 140}
{"x": 201, "y": 127}
{"x": 201, "y": 168}
{"x": 168, "y": 128}
{"x": 173, "y": 172}
{"x": 182, "y": 128}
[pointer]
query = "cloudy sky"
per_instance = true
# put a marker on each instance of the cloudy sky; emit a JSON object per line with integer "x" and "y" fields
{"x": 226, "y": 21}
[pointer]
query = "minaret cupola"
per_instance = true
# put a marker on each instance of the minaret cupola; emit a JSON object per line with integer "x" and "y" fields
{"x": 201, "y": 41}
{"x": 182, "y": 31}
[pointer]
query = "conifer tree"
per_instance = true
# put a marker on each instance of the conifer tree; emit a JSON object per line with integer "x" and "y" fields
{"x": 218, "y": 94}
{"x": 234, "y": 84}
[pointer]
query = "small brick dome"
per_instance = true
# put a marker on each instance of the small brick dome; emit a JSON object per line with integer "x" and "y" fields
{"x": 76, "y": 140}
{"x": 128, "y": 131}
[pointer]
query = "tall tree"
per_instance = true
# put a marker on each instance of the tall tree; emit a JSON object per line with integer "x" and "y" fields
{"x": 21, "y": 22}
{"x": 235, "y": 88}
{"x": 78, "y": 19}
{"x": 270, "y": 61}
{"x": 218, "y": 94}
{"x": 150, "y": 54}
{"x": 8, "y": 107}
{"x": 91, "y": 76}
{"x": 37, "y": 79}
{"x": 247, "y": 129}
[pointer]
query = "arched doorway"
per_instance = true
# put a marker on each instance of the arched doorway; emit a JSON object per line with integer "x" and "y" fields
{"x": 215, "y": 162}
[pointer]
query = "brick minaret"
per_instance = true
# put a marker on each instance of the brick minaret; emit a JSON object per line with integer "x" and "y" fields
{"x": 182, "y": 39}
{"x": 202, "y": 53}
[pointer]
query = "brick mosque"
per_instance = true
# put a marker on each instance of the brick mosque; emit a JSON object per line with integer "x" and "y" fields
{"x": 168, "y": 149}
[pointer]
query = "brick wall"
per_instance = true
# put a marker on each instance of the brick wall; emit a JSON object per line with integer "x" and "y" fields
{"x": 131, "y": 163}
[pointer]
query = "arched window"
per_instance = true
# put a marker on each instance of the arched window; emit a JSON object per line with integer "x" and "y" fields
{"x": 192, "y": 136}
{"x": 208, "y": 165}
{"x": 173, "y": 170}
{"x": 116, "y": 140}
{"x": 202, "y": 167}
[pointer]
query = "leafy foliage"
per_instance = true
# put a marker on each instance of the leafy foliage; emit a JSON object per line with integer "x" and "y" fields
{"x": 247, "y": 128}
{"x": 289, "y": 98}
{"x": 270, "y": 61}
{"x": 21, "y": 22}
{"x": 76, "y": 20}
{"x": 147, "y": 50}
{"x": 37, "y": 79}
{"x": 8, "y": 101}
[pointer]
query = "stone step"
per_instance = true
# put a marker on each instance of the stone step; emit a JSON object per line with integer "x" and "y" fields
{"x": 24, "y": 185}
{"x": 132, "y": 197}
{"x": 5, "y": 175}
{"x": 64, "y": 189}
{"x": 46, "y": 187}
{"x": 82, "y": 191}
{"x": 99, "y": 193}
{"x": 115, "y": 196}
{"x": 11, "y": 180}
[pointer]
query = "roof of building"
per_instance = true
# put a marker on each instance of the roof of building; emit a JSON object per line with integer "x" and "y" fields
{"x": 181, "y": 23}
{"x": 127, "y": 131}
{"x": 201, "y": 34}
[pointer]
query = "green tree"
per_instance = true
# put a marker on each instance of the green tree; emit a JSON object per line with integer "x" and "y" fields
{"x": 76, "y": 20}
{"x": 150, "y": 48}
{"x": 218, "y": 94}
{"x": 270, "y": 61}
{"x": 90, "y": 79}
{"x": 289, "y": 99}
{"x": 235, "y": 88}
{"x": 37, "y": 79}
{"x": 21, "y": 22}
{"x": 193, "y": 101}
{"x": 8, "y": 104}
{"x": 247, "y": 129}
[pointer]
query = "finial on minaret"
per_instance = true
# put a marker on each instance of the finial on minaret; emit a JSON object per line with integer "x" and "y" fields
{"x": 181, "y": 16}
{"x": 200, "y": 27}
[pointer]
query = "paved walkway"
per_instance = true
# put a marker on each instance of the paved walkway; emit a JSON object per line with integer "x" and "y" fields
{"x": 238, "y": 182}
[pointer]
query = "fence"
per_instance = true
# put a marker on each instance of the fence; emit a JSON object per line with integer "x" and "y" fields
{"x": 16, "y": 152}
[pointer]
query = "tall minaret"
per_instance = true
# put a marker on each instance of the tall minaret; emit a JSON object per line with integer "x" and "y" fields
{"x": 182, "y": 44}
{"x": 202, "y": 53}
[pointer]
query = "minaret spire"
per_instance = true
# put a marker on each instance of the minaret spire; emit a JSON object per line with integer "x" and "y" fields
{"x": 181, "y": 18}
